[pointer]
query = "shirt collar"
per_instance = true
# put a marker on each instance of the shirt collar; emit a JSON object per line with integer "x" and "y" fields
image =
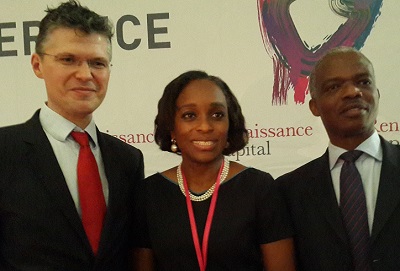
{"x": 371, "y": 146}
{"x": 59, "y": 127}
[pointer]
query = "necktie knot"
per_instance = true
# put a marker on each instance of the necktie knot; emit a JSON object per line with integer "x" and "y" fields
{"x": 351, "y": 156}
{"x": 81, "y": 138}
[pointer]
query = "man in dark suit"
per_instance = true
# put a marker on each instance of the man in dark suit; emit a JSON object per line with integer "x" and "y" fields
{"x": 345, "y": 96}
{"x": 41, "y": 211}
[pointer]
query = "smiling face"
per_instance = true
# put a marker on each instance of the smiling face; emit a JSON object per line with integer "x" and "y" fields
{"x": 73, "y": 90}
{"x": 201, "y": 122}
{"x": 346, "y": 98}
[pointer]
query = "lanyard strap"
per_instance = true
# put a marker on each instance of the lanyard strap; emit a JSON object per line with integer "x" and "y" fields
{"x": 202, "y": 253}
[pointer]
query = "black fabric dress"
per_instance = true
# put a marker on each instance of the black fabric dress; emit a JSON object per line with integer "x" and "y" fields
{"x": 249, "y": 212}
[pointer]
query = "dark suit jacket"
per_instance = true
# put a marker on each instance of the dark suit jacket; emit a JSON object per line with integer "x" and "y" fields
{"x": 40, "y": 228}
{"x": 320, "y": 237}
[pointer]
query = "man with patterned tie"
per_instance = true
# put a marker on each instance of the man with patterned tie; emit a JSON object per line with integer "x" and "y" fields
{"x": 345, "y": 205}
{"x": 65, "y": 187}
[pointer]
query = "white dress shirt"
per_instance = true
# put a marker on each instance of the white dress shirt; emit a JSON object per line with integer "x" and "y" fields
{"x": 369, "y": 165}
{"x": 66, "y": 149}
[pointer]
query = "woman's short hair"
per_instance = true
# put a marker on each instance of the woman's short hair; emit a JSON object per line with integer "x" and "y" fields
{"x": 164, "y": 121}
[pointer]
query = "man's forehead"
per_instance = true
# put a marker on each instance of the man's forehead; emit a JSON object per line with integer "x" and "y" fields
{"x": 346, "y": 64}
{"x": 69, "y": 40}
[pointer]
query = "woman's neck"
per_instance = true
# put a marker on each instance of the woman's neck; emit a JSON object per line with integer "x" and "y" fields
{"x": 201, "y": 177}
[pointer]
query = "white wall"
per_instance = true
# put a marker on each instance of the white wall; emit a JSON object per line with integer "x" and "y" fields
{"x": 221, "y": 37}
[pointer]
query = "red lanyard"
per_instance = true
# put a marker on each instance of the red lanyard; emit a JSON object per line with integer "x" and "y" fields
{"x": 202, "y": 253}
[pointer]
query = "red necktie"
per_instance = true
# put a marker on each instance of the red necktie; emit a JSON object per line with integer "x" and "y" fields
{"x": 91, "y": 197}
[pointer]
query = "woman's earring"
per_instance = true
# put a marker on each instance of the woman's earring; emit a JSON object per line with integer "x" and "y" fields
{"x": 174, "y": 147}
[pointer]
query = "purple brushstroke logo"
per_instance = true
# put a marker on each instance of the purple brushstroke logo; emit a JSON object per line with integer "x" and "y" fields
{"x": 292, "y": 58}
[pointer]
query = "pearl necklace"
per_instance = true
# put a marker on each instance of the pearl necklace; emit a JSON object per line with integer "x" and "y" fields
{"x": 210, "y": 191}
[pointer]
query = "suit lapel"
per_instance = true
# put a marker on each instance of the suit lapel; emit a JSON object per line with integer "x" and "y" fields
{"x": 115, "y": 186}
{"x": 389, "y": 186}
{"x": 44, "y": 163}
{"x": 322, "y": 192}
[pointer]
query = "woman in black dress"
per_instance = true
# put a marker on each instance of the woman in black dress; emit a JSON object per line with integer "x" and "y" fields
{"x": 208, "y": 213}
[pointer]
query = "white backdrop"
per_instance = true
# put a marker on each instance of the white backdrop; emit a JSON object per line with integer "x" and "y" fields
{"x": 220, "y": 37}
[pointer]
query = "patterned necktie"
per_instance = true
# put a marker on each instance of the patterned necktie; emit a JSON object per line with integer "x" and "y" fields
{"x": 91, "y": 197}
{"x": 354, "y": 210}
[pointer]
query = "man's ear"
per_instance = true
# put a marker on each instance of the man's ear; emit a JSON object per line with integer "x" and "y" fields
{"x": 313, "y": 107}
{"x": 36, "y": 63}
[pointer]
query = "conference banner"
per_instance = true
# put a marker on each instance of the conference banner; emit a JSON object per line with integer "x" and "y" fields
{"x": 263, "y": 49}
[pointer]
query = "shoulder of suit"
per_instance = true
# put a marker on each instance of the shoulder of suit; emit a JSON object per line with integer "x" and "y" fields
{"x": 116, "y": 143}
{"x": 12, "y": 131}
{"x": 304, "y": 170}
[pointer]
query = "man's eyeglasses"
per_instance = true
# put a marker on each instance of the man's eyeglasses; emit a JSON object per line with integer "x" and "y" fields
{"x": 73, "y": 61}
